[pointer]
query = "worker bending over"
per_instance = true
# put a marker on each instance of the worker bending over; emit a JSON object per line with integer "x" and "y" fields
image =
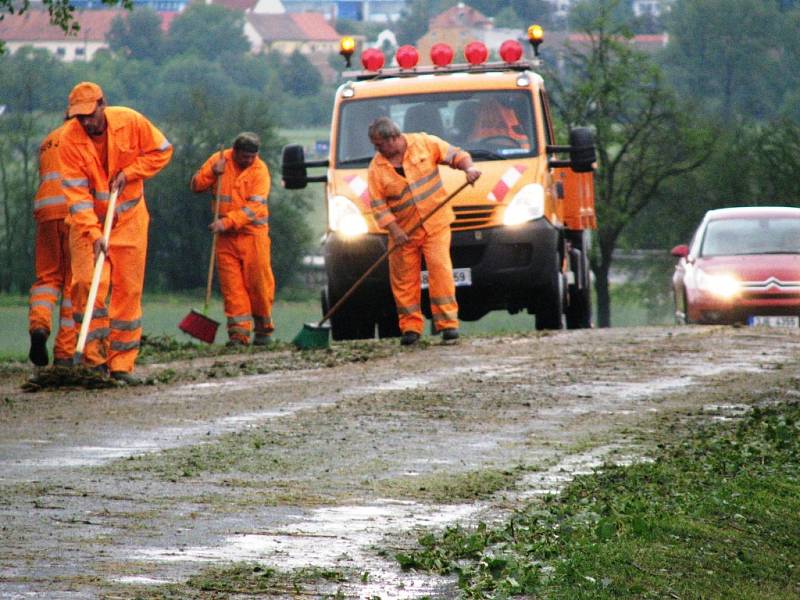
{"x": 405, "y": 187}
{"x": 52, "y": 263}
{"x": 243, "y": 246}
{"x": 104, "y": 149}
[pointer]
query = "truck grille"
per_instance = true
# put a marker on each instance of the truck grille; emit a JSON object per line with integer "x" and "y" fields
{"x": 476, "y": 215}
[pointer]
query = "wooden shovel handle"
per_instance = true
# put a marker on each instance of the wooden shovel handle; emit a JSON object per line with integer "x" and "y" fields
{"x": 210, "y": 278}
{"x": 98, "y": 270}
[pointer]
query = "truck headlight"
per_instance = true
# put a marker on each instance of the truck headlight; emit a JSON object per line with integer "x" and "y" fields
{"x": 527, "y": 204}
{"x": 722, "y": 286}
{"x": 345, "y": 217}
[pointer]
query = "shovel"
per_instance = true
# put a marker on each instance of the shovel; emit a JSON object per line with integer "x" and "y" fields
{"x": 98, "y": 271}
{"x": 196, "y": 324}
{"x": 315, "y": 335}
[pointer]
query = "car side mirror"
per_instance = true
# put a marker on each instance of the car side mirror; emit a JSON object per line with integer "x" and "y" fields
{"x": 680, "y": 251}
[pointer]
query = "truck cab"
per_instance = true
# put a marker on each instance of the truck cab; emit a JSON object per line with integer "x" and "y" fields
{"x": 520, "y": 238}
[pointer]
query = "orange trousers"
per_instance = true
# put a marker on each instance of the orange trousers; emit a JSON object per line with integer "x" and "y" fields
{"x": 53, "y": 279}
{"x": 116, "y": 329}
{"x": 247, "y": 283}
{"x": 405, "y": 266}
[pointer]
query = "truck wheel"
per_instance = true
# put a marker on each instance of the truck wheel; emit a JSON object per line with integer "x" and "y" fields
{"x": 388, "y": 327}
{"x": 550, "y": 305}
{"x": 348, "y": 323}
{"x": 579, "y": 311}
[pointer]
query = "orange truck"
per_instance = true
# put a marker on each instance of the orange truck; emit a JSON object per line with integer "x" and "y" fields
{"x": 521, "y": 236}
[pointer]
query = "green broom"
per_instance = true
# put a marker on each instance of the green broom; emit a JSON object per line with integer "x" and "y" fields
{"x": 316, "y": 335}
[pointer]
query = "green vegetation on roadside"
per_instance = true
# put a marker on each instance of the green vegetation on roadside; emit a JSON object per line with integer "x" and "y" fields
{"x": 714, "y": 516}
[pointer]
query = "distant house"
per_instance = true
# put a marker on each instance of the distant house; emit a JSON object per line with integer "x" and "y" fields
{"x": 307, "y": 33}
{"x": 381, "y": 11}
{"x": 33, "y": 28}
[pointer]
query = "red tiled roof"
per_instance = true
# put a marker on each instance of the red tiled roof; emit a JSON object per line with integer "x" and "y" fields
{"x": 34, "y": 26}
{"x": 459, "y": 16}
{"x": 293, "y": 27}
{"x": 314, "y": 26}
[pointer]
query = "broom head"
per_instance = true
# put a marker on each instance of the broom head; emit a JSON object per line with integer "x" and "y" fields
{"x": 312, "y": 337}
{"x": 199, "y": 326}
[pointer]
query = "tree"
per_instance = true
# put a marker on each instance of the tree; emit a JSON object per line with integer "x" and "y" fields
{"x": 299, "y": 76}
{"x": 209, "y": 31}
{"x": 138, "y": 35}
{"x": 61, "y": 12}
{"x": 644, "y": 137}
{"x": 729, "y": 55}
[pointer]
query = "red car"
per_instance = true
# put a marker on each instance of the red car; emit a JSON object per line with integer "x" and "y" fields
{"x": 742, "y": 266}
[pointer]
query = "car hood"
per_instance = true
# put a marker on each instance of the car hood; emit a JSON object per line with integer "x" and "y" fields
{"x": 754, "y": 267}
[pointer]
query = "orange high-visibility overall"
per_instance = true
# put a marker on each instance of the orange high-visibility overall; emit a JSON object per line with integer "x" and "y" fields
{"x": 407, "y": 200}
{"x": 53, "y": 275}
{"x": 137, "y": 147}
{"x": 243, "y": 249}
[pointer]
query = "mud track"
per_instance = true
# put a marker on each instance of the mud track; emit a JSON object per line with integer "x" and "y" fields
{"x": 337, "y": 464}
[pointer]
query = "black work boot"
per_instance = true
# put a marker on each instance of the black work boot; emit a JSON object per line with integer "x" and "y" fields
{"x": 38, "y": 352}
{"x": 409, "y": 338}
{"x": 449, "y": 335}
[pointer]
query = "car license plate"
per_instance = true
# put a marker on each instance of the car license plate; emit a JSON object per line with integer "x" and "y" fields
{"x": 774, "y": 321}
{"x": 462, "y": 277}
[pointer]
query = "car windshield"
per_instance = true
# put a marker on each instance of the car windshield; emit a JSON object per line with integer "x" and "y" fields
{"x": 774, "y": 235}
{"x": 490, "y": 125}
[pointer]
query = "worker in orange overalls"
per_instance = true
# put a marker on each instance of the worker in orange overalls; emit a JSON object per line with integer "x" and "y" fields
{"x": 105, "y": 149}
{"x": 53, "y": 278}
{"x": 243, "y": 245}
{"x": 495, "y": 120}
{"x": 405, "y": 187}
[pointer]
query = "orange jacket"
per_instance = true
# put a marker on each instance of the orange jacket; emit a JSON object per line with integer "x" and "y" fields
{"x": 243, "y": 194}
{"x": 50, "y": 202}
{"x": 135, "y": 146}
{"x": 410, "y": 199}
{"x": 496, "y": 120}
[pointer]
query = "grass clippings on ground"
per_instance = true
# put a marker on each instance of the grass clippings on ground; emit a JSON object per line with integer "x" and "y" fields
{"x": 714, "y": 516}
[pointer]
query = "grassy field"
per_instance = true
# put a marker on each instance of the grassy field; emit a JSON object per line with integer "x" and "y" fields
{"x": 163, "y": 312}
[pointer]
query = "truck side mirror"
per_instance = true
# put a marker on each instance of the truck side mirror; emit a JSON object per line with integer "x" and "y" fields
{"x": 293, "y": 167}
{"x": 581, "y": 150}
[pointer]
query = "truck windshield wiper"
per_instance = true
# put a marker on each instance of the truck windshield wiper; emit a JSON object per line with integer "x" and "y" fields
{"x": 355, "y": 161}
{"x": 483, "y": 153}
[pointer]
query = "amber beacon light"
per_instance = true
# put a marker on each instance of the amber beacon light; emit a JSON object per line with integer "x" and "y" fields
{"x": 347, "y": 46}
{"x": 535, "y": 37}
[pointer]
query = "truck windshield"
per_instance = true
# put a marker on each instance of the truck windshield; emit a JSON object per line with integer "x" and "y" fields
{"x": 494, "y": 125}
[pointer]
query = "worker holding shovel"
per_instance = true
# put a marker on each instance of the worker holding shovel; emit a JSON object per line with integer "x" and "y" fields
{"x": 243, "y": 244}
{"x": 106, "y": 154}
{"x": 406, "y": 189}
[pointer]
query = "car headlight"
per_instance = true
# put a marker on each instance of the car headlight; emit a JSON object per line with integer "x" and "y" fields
{"x": 723, "y": 286}
{"x": 527, "y": 205}
{"x": 344, "y": 217}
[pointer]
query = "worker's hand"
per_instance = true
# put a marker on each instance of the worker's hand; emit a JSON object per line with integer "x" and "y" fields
{"x": 99, "y": 246}
{"x": 119, "y": 181}
{"x": 399, "y": 236}
{"x": 472, "y": 175}
{"x": 217, "y": 226}
{"x": 219, "y": 167}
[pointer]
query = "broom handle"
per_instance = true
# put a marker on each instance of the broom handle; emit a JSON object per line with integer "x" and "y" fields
{"x": 98, "y": 271}
{"x": 213, "y": 240}
{"x": 383, "y": 256}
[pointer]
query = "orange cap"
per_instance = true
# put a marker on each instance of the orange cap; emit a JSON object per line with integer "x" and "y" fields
{"x": 83, "y": 98}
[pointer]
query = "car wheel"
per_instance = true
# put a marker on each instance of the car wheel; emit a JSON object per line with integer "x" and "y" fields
{"x": 550, "y": 303}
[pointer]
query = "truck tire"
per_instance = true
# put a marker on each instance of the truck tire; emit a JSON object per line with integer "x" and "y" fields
{"x": 550, "y": 304}
{"x": 388, "y": 326}
{"x": 579, "y": 309}
{"x": 348, "y": 323}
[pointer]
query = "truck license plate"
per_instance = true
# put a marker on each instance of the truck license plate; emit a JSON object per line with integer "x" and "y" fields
{"x": 462, "y": 277}
{"x": 774, "y": 321}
